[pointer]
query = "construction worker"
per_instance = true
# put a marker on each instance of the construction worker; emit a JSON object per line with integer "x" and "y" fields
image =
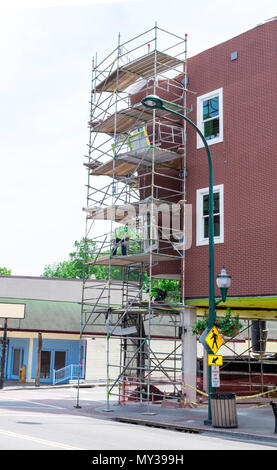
{"x": 160, "y": 295}
{"x": 121, "y": 239}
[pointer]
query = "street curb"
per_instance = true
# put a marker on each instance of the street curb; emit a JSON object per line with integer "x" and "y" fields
{"x": 45, "y": 387}
{"x": 239, "y": 435}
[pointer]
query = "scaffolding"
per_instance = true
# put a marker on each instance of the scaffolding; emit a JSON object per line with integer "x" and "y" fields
{"x": 136, "y": 164}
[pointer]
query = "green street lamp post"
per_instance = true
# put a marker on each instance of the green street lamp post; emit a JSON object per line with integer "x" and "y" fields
{"x": 155, "y": 102}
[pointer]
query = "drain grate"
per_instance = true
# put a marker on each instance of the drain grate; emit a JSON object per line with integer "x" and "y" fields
{"x": 152, "y": 424}
{"x": 27, "y": 422}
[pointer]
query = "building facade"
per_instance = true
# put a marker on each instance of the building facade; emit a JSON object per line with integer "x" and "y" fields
{"x": 235, "y": 107}
{"x": 232, "y": 99}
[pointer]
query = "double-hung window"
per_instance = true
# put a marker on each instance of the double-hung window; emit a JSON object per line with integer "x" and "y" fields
{"x": 210, "y": 117}
{"x": 202, "y": 215}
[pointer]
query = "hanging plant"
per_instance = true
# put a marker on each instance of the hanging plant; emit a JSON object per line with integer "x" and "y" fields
{"x": 200, "y": 325}
{"x": 229, "y": 325}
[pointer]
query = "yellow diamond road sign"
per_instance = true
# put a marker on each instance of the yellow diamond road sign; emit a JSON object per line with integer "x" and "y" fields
{"x": 214, "y": 340}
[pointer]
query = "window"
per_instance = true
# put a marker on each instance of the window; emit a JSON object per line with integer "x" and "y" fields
{"x": 59, "y": 361}
{"x": 202, "y": 215}
{"x": 210, "y": 117}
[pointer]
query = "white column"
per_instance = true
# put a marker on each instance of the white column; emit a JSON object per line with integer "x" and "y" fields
{"x": 190, "y": 354}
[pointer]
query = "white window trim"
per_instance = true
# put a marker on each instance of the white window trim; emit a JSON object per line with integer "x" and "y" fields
{"x": 200, "y": 123}
{"x": 200, "y": 193}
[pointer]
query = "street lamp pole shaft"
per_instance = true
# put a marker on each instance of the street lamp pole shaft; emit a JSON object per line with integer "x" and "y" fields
{"x": 212, "y": 315}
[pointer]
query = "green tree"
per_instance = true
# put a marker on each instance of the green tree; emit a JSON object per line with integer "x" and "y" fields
{"x": 73, "y": 268}
{"x": 5, "y": 272}
{"x": 170, "y": 286}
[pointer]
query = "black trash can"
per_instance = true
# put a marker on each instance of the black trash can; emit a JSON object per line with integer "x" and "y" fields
{"x": 224, "y": 410}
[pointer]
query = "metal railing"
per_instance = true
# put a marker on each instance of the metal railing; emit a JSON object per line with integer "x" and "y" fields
{"x": 67, "y": 373}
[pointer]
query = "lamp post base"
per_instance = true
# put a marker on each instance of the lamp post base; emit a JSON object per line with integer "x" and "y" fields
{"x": 208, "y": 422}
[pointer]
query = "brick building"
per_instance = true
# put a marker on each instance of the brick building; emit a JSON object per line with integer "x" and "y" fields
{"x": 233, "y": 99}
{"x": 240, "y": 77}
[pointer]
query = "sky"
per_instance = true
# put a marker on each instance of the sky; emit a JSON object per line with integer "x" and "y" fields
{"x": 46, "y": 49}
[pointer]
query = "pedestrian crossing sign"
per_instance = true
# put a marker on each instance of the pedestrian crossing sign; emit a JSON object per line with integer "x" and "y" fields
{"x": 214, "y": 340}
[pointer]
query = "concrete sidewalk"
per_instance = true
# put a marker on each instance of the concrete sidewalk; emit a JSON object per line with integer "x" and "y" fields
{"x": 256, "y": 420}
{"x": 254, "y": 424}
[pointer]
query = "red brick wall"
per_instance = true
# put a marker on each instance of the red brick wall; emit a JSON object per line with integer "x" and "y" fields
{"x": 245, "y": 162}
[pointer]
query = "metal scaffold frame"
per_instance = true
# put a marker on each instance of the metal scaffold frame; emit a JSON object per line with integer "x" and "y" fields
{"x": 135, "y": 165}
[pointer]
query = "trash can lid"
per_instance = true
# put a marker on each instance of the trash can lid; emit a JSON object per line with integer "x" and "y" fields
{"x": 223, "y": 396}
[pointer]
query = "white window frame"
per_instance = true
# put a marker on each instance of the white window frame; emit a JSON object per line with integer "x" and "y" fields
{"x": 200, "y": 193}
{"x": 200, "y": 122}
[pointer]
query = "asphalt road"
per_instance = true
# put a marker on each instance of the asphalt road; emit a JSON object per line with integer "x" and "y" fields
{"x": 46, "y": 419}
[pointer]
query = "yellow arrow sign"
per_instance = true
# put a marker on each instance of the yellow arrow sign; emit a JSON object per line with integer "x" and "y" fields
{"x": 214, "y": 340}
{"x": 215, "y": 360}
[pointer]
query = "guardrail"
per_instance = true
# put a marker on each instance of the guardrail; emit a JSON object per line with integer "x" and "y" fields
{"x": 67, "y": 373}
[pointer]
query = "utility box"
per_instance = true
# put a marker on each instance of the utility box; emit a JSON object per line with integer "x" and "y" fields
{"x": 224, "y": 410}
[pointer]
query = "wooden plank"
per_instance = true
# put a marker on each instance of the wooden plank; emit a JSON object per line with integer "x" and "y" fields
{"x": 143, "y": 67}
{"x": 129, "y": 118}
{"x": 121, "y": 169}
{"x": 131, "y": 259}
{"x": 123, "y": 124}
{"x": 127, "y": 163}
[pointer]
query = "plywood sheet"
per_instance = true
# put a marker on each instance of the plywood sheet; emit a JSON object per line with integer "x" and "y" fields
{"x": 129, "y": 118}
{"x": 144, "y": 67}
{"x": 127, "y": 163}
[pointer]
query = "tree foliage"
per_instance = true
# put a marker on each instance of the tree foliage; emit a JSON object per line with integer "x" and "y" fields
{"x": 74, "y": 268}
{"x": 5, "y": 272}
